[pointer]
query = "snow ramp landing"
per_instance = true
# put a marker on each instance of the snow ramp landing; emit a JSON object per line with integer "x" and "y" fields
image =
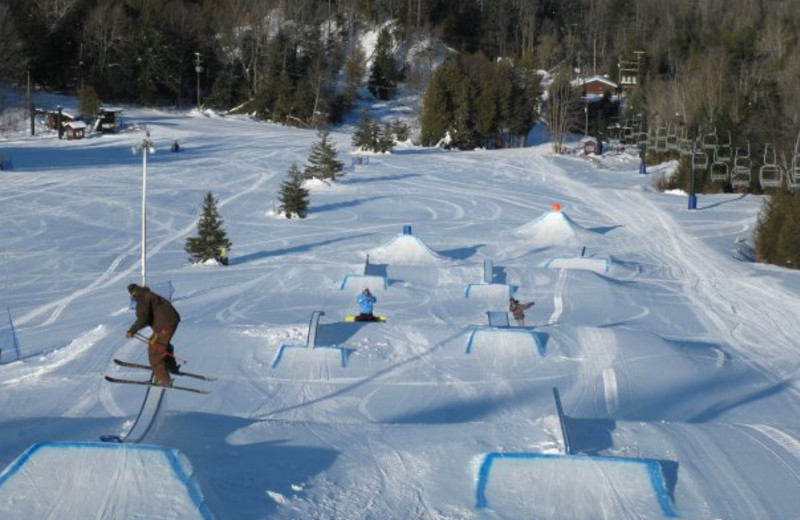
{"x": 504, "y": 341}
{"x": 534, "y": 485}
{"x": 100, "y": 480}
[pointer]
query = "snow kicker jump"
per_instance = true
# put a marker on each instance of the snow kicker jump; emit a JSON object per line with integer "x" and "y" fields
{"x": 536, "y": 485}
{"x": 499, "y": 339}
{"x": 49, "y": 480}
{"x": 311, "y": 349}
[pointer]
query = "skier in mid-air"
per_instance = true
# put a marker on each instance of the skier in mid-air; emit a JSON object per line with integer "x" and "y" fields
{"x": 158, "y": 313}
{"x": 366, "y": 300}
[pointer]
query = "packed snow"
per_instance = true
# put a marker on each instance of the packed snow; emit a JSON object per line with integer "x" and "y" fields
{"x": 674, "y": 354}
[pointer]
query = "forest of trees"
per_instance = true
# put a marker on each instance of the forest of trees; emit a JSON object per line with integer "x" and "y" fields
{"x": 729, "y": 66}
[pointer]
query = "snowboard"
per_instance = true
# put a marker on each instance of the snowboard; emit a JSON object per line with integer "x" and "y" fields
{"x": 352, "y": 318}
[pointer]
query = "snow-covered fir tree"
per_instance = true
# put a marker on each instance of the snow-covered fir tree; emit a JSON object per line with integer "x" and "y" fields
{"x": 293, "y": 196}
{"x": 211, "y": 240}
{"x": 365, "y": 135}
{"x": 322, "y": 160}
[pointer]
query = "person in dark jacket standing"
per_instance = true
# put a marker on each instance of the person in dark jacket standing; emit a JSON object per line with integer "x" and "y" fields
{"x": 518, "y": 310}
{"x": 156, "y": 312}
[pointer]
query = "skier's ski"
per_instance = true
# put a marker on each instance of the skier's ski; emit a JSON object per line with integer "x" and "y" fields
{"x": 179, "y": 373}
{"x": 149, "y": 383}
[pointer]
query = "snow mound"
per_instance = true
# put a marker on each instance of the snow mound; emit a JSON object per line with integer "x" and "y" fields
{"x": 404, "y": 250}
{"x": 553, "y": 228}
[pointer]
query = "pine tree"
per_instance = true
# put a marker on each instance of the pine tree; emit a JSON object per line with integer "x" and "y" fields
{"x": 322, "y": 159}
{"x": 88, "y": 102}
{"x": 383, "y": 74}
{"x": 364, "y": 134}
{"x": 293, "y": 196}
{"x": 211, "y": 239}
{"x": 464, "y": 135}
{"x": 437, "y": 107}
{"x": 353, "y": 71}
{"x": 385, "y": 139}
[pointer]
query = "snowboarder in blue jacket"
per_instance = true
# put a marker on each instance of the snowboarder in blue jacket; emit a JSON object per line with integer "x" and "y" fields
{"x": 365, "y": 302}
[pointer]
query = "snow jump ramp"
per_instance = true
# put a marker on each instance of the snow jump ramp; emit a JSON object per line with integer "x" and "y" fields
{"x": 505, "y": 339}
{"x": 100, "y": 480}
{"x": 538, "y": 485}
{"x": 309, "y": 355}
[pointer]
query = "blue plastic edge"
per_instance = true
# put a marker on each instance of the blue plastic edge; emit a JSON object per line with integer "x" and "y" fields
{"x": 653, "y": 469}
{"x": 169, "y": 453}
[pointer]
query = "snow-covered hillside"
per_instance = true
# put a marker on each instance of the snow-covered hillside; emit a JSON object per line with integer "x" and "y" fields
{"x": 675, "y": 359}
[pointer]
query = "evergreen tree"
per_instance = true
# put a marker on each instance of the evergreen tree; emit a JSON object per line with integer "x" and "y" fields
{"x": 364, "y": 135}
{"x": 464, "y": 135}
{"x": 322, "y": 159}
{"x": 400, "y": 130}
{"x": 524, "y": 104}
{"x": 353, "y": 71}
{"x": 383, "y": 74}
{"x": 211, "y": 237}
{"x": 385, "y": 139}
{"x": 441, "y": 101}
{"x": 293, "y": 196}
{"x": 88, "y": 102}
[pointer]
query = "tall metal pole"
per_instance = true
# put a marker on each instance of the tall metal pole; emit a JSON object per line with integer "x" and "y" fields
{"x": 144, "y": 217}
{"x": 30, "y": 105}
{"x": 692, "y": 192}
{"x": 146, "y": 146}
{"x": 198, "y": 69}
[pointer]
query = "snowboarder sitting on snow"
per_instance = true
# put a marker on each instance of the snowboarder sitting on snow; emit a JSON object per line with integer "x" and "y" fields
{"x": 158, "y": 313}
{"x": 365, "y": 302}
{"x": 518, "y": 310}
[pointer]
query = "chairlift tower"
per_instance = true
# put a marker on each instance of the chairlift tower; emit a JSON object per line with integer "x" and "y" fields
{"x": 145, "y": 146}
{"x": 692, "y": 187}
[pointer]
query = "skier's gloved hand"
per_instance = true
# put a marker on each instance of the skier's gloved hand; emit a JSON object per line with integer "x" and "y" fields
{"x": 128, "y": 334}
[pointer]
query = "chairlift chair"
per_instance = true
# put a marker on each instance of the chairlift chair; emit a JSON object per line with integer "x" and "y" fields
{"x": 627, "y": 134}
{"x": 741, "y": 175}
{"x": 685, "y": 146}
{"x": 672, "y": 140}
{"x": 723, "y": 152}
{"x": 719, "y": 171}
{"x": 661, "y": 140}
{"x": 699, "y": 160}
{"x": 651, "y": 140}
{"x": 643, "y": 137}
{"x": 770, "y": 175}
{"x": 710, "y": 141}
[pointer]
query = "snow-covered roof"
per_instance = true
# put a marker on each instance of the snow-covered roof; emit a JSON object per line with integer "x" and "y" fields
{"x": 597, "y": 78}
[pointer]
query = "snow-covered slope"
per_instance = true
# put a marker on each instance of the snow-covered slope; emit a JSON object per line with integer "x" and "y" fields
{"x": 679, "y": 352}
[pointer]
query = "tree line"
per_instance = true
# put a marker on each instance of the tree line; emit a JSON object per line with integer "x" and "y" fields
{"x": 729, "y": 66}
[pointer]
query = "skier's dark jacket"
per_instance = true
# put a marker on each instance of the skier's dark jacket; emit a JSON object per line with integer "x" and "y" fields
{"x": 154, "y": 311}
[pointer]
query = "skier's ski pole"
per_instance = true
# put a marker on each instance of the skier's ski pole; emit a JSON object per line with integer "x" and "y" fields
{"x": 145, "y": 339}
